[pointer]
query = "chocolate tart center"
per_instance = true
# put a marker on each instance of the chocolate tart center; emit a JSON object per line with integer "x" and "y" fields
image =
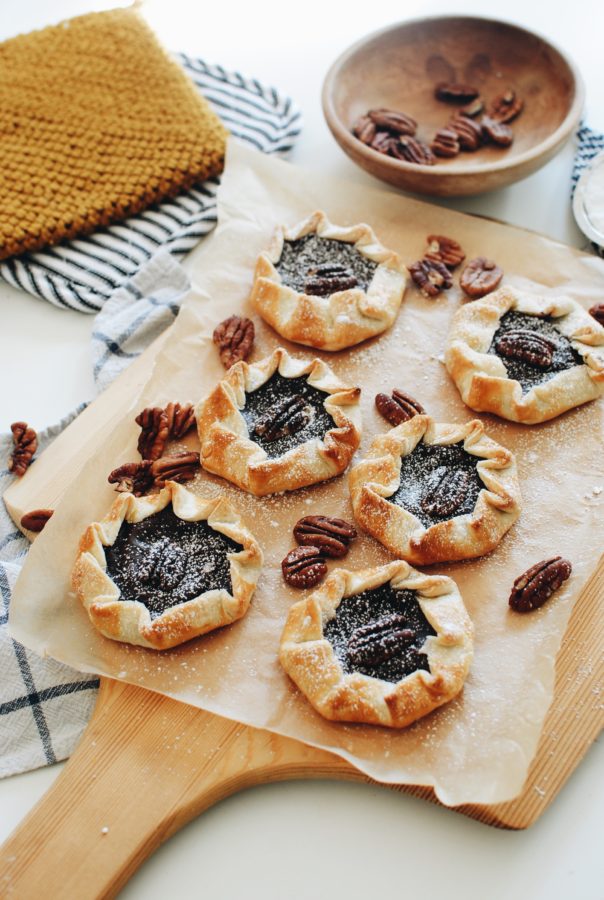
{"x": 284, "y": 413}
{"x": 564, "y": 355}
{"x": 438, "y": 482}
{"x": 380, "y": 633}
{"x": 163, "y": 561}
{"x": 300, "y": 258}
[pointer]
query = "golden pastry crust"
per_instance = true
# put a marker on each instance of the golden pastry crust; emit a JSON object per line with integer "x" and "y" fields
{"x": 310, "y": 661}
{"x": 228, "y": 450}
{"x": 343, "y": 318}
{"x": 376, "y": 478}
{"x": 129, "y": 620}
{"x": 481, "y": 377}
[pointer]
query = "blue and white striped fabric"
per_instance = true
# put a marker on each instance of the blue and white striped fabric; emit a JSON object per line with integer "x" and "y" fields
{"x": 129, "y": 274}
{"x": 81, "y": 274}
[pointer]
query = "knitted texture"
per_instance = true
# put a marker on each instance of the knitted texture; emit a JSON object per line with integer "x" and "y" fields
{"x": 97, "y": 123}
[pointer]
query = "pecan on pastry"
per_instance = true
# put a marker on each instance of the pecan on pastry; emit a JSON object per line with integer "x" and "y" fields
{"x": 279, "y": 424}
{"x": 161, "y": 570}
{"x": 384, "y": 646}
{"x": 432, "y": 492}
{"x": 525, "y": 357}
{"x": 328, "y": 286}
{"x": 398, "y": 408}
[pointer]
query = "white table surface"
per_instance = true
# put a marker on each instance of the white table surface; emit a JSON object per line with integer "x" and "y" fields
{"x": 309, "y": 839}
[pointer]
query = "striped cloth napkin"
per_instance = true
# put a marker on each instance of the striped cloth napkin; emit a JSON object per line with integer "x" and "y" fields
{"x": 129, "y": 273}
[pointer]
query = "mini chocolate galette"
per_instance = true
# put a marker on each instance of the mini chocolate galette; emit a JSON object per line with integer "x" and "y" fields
{"x": 436, "y": 492}
{"x": 524, "y": 357}
{"x": 279, "y": 424}
{"x": 383, "y": 646}
{"x": 160, "y": 570}
{"x": 328, "y": 287}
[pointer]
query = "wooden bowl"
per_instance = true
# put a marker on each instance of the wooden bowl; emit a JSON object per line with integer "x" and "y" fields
{"x": 398, "y": 68}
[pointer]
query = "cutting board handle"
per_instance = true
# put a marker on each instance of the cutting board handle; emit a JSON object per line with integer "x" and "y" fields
{"x": 145, "y": 766}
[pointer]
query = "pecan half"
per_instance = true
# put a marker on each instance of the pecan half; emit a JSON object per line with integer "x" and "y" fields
{"x": 286, "y": 417}
{"x": 179, "y": 467}
{"x": 506, "y": 106}
{"x": 164, "y": 565}
{"x": 398, "y": 408}
{"x": 304, "y": 567}
{"x": 155, "y": 429}
{"x": 496, "y": 131}
{"x": 181, "y": 418}
{"x": 447, "y": 493}
{"x": 393, "y": 121}
{"x": 480, "y": 277}
{"x": 528, "y": 346}
{"x": 330, "y": 535}
{"x": 431, "y": 277}
{"x": 326, "y": 279}
{"x": 364, "y": 129}
{"x": 597, "y": 311}
{"x": 445, "y": 143}
{"x": 538, "y": 583}
{"x": 379, "y": 641}
{"x": 139, "y": 478}
{"x": 135, "y": 478}
{"x": 412, "y": 150}
{"x": 36, "y": 519}
{"x": 472, "y": 109}
{"x": 383, "y": 142}
{"x": 452, "y": 92}
{"x": 25, "y": 442}
{"x": 469, "y": 132}
{"x": 234, "y": 338}
{"x": 444, "y": 250}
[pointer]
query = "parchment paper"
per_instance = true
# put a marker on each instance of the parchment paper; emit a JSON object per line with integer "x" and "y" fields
{"x": 477, "y": 748}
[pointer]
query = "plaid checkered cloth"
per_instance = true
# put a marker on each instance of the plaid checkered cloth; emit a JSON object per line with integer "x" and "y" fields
{"x": 129, "y": 273}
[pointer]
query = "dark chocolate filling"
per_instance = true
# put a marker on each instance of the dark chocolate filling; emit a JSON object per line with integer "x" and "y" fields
{"x": 163, "y": 561}
{"x": 565, "y": 356}
{"x": 268, "y": 397}
{"x": 299, "y": 257}
{"x": 420, "y": 471}
{"x": 362, "y": 609}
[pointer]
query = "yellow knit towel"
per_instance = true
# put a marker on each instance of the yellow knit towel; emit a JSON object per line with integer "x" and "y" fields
{"x": 97, "y": 123}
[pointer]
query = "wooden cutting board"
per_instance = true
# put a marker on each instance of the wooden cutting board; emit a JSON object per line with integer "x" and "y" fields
{"x": 130, "y": 785}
